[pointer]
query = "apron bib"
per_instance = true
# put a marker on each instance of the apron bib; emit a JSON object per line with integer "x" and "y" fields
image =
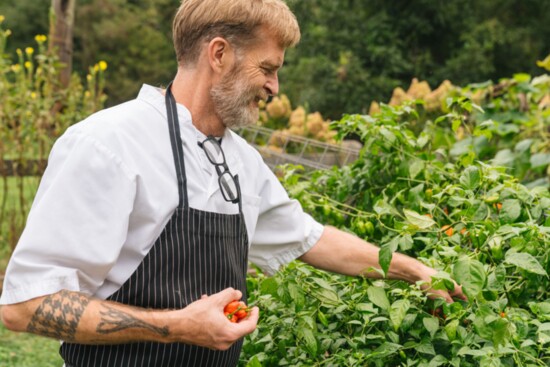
{"x": 197, "y": 253}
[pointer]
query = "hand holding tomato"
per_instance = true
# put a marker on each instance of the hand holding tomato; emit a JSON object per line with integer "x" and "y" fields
{"x": 203, "y": 322}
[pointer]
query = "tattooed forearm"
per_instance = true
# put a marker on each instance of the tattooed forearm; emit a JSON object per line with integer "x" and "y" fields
{"x": 58, "y": 315}
{"x": 114, "y": 320}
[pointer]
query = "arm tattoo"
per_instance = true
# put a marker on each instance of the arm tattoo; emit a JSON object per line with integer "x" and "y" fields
{"x": 114, "y": 320}
{"x": 58, "y": 315}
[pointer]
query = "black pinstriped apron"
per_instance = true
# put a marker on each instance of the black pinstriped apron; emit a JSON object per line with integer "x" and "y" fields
{"x": 197, "y": 253}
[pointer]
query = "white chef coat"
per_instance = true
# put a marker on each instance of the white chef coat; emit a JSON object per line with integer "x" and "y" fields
{"x": 111, "y": 187}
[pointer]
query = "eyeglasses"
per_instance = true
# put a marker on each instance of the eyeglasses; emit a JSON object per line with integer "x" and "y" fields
{"x": 228, "y": 183}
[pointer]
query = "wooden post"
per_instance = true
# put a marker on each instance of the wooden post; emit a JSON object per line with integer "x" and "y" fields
{"x": 61, "y": 36}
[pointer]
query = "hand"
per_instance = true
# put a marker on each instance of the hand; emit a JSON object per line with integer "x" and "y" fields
{"x": 449, "y": 296}
{"x": 203, "y": 322}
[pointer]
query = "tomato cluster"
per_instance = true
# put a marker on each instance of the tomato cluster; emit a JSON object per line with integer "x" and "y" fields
{"x": 236, "y": 310}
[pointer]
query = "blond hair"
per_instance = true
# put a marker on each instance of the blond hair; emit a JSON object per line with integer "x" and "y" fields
{"x": 199, "y": 21}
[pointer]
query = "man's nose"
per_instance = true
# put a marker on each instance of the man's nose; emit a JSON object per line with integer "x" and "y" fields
{"x": 272, "y": 85}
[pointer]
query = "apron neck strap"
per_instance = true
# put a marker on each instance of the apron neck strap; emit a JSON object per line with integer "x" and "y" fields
{"x": 177, "y": 146}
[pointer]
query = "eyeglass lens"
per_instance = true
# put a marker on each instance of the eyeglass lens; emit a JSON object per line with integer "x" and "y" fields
{"x": 228, "y": 186}
{"x": 213, "y": 151}
{"x": 227, "y": 182}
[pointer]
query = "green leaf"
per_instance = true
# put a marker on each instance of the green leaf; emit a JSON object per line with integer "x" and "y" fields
{"x": 511, "y": 210}
{"x": 471, "y": 352}
{"x": 398, "y": 311}
{"x": 418, "y": 220}
{"x": 525, "y": 261}
{"x": 437, "y": 361}
{"x": 307, "y": 337}
{"x": 254, "y": 362}
{"x": 385, "y": 255}
{"x": 471, "y": 275}
{"x": 415, "y": 167}
{"x": 442, "y": 280}
{"x": 522, "y": 77}
{"x": 297, "y": 294}
{"x": 322, "y": 318}
{"x": 450, "y": 329}
{"x": 456, "y": 124}
{"x": 325, "y": 293}
{"x": 378, "y": 296}
{"x": 470, "y": 178}
{"x": 431, "y": 324}
{"x": 385, "y": 350}
{"x": 426, "y": 348}
{"x": 489, "y": 361}
{"x": 269, "y": 286}
{"x": 538, "y": 160}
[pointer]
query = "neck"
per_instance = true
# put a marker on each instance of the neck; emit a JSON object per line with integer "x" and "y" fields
{"x": 192, "y": 89}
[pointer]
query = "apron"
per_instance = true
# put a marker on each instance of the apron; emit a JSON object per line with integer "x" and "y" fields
{"x": 197, "y": 253}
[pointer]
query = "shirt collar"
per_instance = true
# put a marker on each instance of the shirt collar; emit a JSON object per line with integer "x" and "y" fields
{"x": 155, "y": 97}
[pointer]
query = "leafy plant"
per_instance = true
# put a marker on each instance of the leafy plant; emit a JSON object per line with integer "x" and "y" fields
{"x": 35, "y": 111}
{"x": 470, "y": 220}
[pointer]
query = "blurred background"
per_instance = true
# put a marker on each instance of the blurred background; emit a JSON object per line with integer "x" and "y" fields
{"x": 352, "y": 52}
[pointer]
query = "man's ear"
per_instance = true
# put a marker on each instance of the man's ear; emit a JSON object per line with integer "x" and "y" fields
{"x": 220, "y": 54}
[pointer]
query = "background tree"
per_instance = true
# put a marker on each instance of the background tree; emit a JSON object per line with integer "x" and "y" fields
{"x": 61, "y": 36}
{"x": 352, "y": 51}
{"x": 356, "y": 51}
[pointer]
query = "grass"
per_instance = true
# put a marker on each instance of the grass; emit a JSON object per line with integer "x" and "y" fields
{"x": 20, "y": 349}
{"x": 26, "y": 350}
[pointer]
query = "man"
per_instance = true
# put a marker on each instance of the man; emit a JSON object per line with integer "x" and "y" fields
{"x": 148, "y": 213}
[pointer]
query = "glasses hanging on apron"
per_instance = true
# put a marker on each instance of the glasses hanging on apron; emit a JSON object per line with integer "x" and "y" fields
{"x": 229, "y": 185}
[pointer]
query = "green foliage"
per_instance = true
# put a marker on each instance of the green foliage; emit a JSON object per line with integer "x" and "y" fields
{"x": 412, "y": 191}
{"x": 353, "y": 52}
{"x": 35, "y": 111}
{"x": 133, "y": 36}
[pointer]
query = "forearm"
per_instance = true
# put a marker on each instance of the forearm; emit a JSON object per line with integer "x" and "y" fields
{"x": 343, "y": 253}
{"x": 75, "y": 317}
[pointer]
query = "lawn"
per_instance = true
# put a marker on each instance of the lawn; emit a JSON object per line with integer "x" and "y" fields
{"x": 26, "y": 350}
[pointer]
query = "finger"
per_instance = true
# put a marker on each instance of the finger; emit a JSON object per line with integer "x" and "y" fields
{"x": 227, "y": 295}
{"x": 204, "y": 296}
{"x": 440, "y": 294}
{"x": 459, "y": 293}
{"x": 248, "y": 324}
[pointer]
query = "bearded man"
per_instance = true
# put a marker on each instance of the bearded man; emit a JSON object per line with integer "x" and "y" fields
{"x": 149, "y": 212}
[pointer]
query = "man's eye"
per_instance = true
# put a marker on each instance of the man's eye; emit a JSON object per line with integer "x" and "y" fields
{"x": 268, "y": 70}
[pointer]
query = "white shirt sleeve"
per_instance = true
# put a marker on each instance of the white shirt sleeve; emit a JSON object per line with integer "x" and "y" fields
{"x": 283, "y": 231}
{"x": 77, "y": 224}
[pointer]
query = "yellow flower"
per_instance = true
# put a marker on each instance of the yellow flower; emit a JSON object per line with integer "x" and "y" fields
{"x": 96, "y": 68}
{"x": 33, "y": 95}
{"x": 15, "y": 68}
{"x": 2, "y": 18}
{"x": 19, "y": 52}
{"x": 544, "y": 63}
{"x": 89, "y": 77}
{"x": 28, "y": 64}
{"x": 87, "y": 94}
{"x": 40, "y": 38}
{"x": 102, "y": 65}
{"x": 29, "y": 51}
{"x": 7, "y": 32}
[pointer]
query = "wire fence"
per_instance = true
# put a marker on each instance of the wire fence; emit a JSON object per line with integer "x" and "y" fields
{"x": 277, "y": 148}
